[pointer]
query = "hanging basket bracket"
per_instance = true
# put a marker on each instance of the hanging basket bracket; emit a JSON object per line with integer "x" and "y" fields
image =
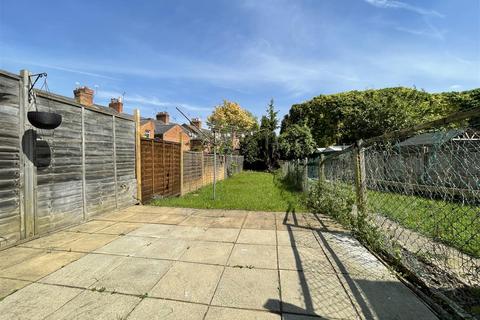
{"x": 32, "y": 84}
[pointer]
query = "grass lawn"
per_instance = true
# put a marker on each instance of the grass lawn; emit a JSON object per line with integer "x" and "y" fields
{"x": 453, "y": 223}
{"x": 248, "y": 190}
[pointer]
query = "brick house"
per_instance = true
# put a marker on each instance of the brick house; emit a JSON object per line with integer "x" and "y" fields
{"x": 199, "y": 137}
{"x": 161, "y": 128}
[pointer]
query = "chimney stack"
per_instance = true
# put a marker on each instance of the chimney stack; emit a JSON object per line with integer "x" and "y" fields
{"x": 84, "y": 95}
{"x": 164, "y": 117}
{"x": 197, "y": 123}
{"x": 116, "y": 104}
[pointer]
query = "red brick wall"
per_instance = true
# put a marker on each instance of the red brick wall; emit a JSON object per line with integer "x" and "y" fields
{"x": 149, "y": 126}
{"x": 173, "y": 135}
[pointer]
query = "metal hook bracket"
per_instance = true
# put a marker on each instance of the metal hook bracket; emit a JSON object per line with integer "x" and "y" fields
{"x": 30, "y": 89}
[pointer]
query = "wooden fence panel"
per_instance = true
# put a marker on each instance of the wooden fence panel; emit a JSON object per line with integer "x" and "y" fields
{"x": 10, "y": 169}
{"x": 160, "y": 167}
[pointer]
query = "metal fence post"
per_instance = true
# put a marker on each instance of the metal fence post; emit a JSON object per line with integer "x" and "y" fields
{"x": 360, "y": 183}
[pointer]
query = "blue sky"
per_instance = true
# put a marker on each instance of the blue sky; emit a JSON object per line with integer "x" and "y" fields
{"x": 197, "y": 53}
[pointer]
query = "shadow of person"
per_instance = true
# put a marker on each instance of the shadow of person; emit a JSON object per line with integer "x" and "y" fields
{"x": 294, "y": 312}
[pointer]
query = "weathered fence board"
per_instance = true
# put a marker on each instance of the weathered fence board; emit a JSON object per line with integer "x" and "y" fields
{"x": 82, "y": 168}
{"x": 9, "y": 160}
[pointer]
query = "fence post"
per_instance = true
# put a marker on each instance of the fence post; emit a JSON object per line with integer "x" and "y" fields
{"x": 84, "y": 170}
{"x": 360, "y": 183}
{"x": 203, "y": 169}
{"x": 29, "y": 171}
{"x": 305, "y": 175}
{"x": 114, "y": 159}
{"x": 321, "y": 168}
{"x": 153, "y": 166}
{"x": 138, "y": 159}
{"x": 181, "y": 164}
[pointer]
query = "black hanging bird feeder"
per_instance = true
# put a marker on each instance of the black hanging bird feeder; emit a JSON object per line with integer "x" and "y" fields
{"x": 41, "y": 119}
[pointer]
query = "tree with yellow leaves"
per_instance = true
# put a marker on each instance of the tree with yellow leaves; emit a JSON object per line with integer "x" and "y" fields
{"x": 229, "y": 120}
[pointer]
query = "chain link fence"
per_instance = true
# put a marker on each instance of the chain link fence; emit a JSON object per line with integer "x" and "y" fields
{"x": 412, "y": 196}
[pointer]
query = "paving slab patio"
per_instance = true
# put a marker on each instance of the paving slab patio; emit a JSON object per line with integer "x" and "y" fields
{"x": 178, "y": 263}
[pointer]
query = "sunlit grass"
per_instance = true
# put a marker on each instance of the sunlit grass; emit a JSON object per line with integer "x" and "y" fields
{"x": 249, "y": 190}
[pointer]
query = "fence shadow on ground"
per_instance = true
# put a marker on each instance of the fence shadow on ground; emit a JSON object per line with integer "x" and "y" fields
{"x": 324, "y": 294}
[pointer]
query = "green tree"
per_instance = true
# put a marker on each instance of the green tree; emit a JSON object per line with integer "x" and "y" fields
{"x": 261, "y": 148}
{"x": 267, "y": 138}
{"x": 348, "y": 116}
{"x": 296, "y": 142}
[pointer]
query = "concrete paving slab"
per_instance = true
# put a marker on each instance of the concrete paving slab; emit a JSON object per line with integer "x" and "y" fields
{"x": 85, "y": 271}
{"x": 297, "y": 239}
{"x": 214, "y": 213}
{"x": 315, "y": 293}
{"x": 9, "y": 286}
{"x": 115, "y": 215}
{"x": 220, "y": 234}
{"x": 261, "y": 215}
{"x": 252, "y": 255}
{"x": 91, "y": 226}
{"x": 187, "y": 233}
{"x": 303, "y": 258}
{"x": 120, "y": 228}
{"x": 170, "y": 249}
{"x": 195, "y": 221}
{"x": 250, "y": 236}
{"x": 385, "y": 299}
{"x": 40, "y": 266}
{"x": 189, "y": 282}
{"x": 141, "y": 218}
{"x": 348, "y": 255}
{"x": 236, "y": 213}
{"x": 357, "y": 284}
{"x": 248, "y": 288}
{"x": 227, "y": 222}
{"x": 153, "y": 230}
{"x": 126, "y": 245}
{"x": 290, "y": 316}
{"x": 259, "y": 223}
{"x": 219, "y": 313}
{"x": 53, "y": 241}
{"x": 207, "y": 252}
{"x": 14, "y": 255}
{"x": 96, "y": 306}
{"x": 133, "y": 276}
{"x": 169, "y": 218}
{"x": 35, "y": 301}
{"x": 157, "y": 309}
{"x": 162, "y": 210}
{"x": 88, "y": 242}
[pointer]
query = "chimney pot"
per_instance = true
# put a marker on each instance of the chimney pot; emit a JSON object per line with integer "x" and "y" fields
{"x": 84, "y": 95}
{"x": 164, "y": 117}
{"x": 116, "y": 104}
{"x": 197, "y": 123}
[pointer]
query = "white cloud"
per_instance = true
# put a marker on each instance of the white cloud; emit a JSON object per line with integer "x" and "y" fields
{"x": 393, "y": 4}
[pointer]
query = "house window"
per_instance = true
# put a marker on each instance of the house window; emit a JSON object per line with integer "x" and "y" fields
{"x": 147, "y": 134}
